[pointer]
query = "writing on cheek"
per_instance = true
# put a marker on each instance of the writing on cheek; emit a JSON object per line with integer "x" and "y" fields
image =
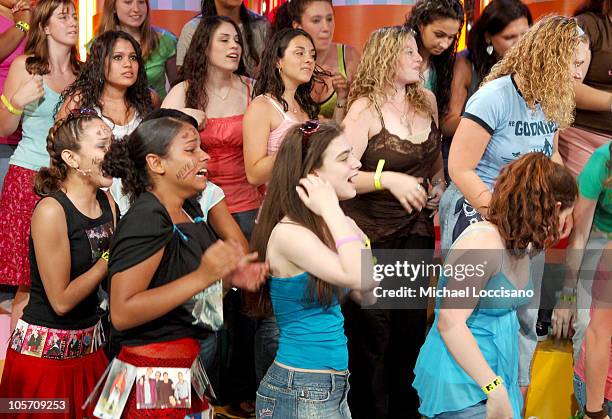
{"x": 185, "y": 170}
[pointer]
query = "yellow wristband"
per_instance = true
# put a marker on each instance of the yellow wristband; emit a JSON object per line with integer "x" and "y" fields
{"x": 379, "y": 168}
{"x": 10, "y": 107}
{"x": 487, "y": 388}
{"x": 105, "y": 255}
{"x": 22, "y": 26}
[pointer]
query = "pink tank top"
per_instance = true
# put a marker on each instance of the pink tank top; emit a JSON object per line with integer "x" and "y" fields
{"x": 222, "y": 140}
{"x": 276, "y": 137}
{"x": 5, "y": 24}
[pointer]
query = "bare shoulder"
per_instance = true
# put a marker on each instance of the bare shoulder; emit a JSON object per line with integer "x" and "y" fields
{"x": 260, "y": 106}
{"x": 361, "y": 107}
{"x": 20, "y": 61}
{"x": 480, "y": 236}
{"x": 49, "y": 213}
{"x": 18, "y": 67}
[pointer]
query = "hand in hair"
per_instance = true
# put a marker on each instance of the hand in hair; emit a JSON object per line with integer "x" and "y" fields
{"x": 341, "y": 85}
{"x": 29, "y": 91}
{"x": 317, "y": 194}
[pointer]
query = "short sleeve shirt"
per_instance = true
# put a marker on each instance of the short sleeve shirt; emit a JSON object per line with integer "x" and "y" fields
{"x": 155, "y": 65}
{"x": 211, "y": 196}
{"x": 515, "y": 129}
{"x": 591, "y": 183}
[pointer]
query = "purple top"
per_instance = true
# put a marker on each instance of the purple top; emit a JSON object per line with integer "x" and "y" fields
{"x": 6, "y": 24}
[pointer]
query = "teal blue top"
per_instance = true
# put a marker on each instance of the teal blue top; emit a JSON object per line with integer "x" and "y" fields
{"x": 37, "y": 120}
{"x": 442, "y": 385}
{"x": 431, "y": 80}
{"x": 311, "y": 336}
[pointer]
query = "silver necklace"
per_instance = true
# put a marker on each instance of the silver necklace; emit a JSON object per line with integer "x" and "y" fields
{"x": 404, "y": 118}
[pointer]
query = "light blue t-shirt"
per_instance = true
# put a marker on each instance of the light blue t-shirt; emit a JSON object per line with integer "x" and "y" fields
{"x": 515, "y": 129}
{"x": 37, "y": 120}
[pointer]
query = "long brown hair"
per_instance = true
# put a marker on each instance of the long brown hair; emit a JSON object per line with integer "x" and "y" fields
{"x": 524, "y": 202}
{"x": 195, "y": 67}
{"x": 298, "y": 156}
{"x": 37, "y": 47}
{"x": 149, "y": 38}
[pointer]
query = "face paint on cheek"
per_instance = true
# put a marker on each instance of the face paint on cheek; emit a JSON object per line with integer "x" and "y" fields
{"x": 185, "y": 170}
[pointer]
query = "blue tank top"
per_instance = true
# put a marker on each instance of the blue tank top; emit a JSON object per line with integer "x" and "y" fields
{"x": 31, "y": 153}
{"x": 495, "y": 326}
{"x": 311, "y": 336}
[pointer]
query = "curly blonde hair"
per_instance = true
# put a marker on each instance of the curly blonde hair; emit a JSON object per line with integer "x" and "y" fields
{"x": 542, "y": 60}
{"x": 378, "y": 70}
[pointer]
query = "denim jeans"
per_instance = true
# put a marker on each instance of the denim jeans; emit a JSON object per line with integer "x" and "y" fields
{"x": 246, "y": 221}
{"x": 478, "y": 411}
{"x": 285, "y": 393}
{"x": 580, "y": 393}
{"x": 266, "y": 345}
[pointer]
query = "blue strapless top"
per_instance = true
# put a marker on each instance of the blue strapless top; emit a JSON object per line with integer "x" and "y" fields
{"x": 442, "y": 385}
{"x": 311, "y": 336}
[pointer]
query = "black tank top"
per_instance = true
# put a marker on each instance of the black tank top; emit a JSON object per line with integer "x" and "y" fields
{"x": 88, "y": 238}
{"x": 379, "y": 214}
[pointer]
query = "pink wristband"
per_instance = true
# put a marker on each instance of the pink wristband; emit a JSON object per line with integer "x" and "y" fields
{"x": 348, "y": 239}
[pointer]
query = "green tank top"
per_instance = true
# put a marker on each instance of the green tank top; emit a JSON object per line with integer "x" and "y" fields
{"x": 327, "y": 107}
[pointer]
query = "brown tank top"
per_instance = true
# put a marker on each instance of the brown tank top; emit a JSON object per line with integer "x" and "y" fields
{"x": 379, "y": 214}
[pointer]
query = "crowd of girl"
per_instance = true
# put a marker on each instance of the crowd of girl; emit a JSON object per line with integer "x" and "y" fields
{"x": 235, "y": 217}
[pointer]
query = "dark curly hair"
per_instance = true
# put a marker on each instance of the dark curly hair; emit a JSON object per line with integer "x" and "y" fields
{"x": 127, "y": 159}
{"x": 87, "y": 88}
{"x": 270, "y": 81}
{"x": 494, "y": 18}
{"x": 208, "y": 8}
{"x": 425, "y": 12}
{"x": 195, "y": 67}
{"x": 65, "y": 134}
{"x": 524, "y": 202}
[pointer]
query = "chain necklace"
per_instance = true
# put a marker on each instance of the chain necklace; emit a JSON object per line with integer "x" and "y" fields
{"x": 224, "y": 97}
{"x": 405, "y": 118}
